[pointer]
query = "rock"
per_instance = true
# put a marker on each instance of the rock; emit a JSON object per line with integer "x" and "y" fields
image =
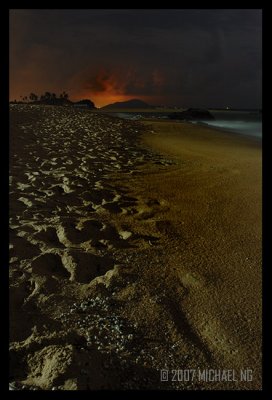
{"x": 192, "y": 114}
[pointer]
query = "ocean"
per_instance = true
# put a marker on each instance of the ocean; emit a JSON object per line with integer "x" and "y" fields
{"x": 243, "y": 122}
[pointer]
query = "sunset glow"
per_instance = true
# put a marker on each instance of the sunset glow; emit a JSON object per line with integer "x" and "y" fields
{"x": 105, "y": 57}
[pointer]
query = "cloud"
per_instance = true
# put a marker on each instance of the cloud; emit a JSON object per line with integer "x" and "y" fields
{"x": 175, "y": 56}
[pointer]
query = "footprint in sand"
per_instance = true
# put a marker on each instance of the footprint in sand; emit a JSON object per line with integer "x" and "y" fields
{"x": 77, "y": 233}
{"x": 49, "y": 264}
{"x": 191, "y": 280}
{"x": 49, "y": 237}
{"x": 84, "y": 266}
{"x": 147, "y": 209}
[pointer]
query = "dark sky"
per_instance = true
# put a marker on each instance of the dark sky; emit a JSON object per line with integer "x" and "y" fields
{"x": 198, "y": 58}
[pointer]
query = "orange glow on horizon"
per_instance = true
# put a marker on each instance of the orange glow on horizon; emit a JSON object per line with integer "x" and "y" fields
{"x": 100, "y": 99}
{"x": 103, "y": 99}
{"x": 110, "y": 86}
{"x": 103, "y": 87}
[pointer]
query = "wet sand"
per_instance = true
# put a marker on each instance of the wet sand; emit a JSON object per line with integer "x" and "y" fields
{"x": 215, "y": 196}
{"x": 129, "y": 259}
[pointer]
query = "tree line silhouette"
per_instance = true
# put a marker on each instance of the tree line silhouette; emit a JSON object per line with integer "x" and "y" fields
{"x": 52, "y": 99}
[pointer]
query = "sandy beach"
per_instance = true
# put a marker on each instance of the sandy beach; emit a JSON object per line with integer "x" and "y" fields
{"x": 215, "y": 196}
{"x": 134, "y": 248}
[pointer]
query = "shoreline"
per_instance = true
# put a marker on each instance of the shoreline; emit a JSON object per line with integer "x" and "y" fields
{"x": 197, "y": 123}
{"x": 258, "y": 138}
{"x": 231, "y": 133}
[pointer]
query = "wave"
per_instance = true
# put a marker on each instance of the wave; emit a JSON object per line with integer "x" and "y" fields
{"x": 252, "y": 128}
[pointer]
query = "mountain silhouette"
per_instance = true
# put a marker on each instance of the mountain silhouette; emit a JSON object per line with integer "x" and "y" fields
{"x": 133, "y": 103}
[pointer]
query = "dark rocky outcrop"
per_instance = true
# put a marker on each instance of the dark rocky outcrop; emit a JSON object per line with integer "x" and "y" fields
{"x": 192, "y": 114}
{"x": 86, "y": 103}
